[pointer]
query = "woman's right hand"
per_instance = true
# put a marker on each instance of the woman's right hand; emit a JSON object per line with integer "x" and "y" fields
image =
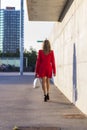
{"x": 36, "y": 75}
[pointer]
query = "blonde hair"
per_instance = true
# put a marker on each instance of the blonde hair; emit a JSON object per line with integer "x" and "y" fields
{"x": 46, "y": 46}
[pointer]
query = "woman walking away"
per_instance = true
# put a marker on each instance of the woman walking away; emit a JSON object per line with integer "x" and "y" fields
{"x": 45, "y": 67}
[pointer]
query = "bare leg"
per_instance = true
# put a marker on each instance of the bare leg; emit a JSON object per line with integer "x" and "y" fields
{"x": 48, "y": 84}
{"x": 48, "y": 87}
{"x": 44, "y": 85}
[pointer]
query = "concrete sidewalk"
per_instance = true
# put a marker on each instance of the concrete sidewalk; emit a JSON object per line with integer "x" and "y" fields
{"x": 23, "y": 106}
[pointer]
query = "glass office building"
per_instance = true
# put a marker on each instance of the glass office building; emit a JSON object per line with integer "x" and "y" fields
{"x": 1, "y": 29}
{"x": 10, "y": 30}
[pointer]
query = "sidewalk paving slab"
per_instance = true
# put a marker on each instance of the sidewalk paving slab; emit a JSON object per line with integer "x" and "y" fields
{"x": 23, "y": 106}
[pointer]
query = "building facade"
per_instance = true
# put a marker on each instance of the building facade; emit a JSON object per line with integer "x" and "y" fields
{"x": 10, "y": 30}
{"x": 69, "y": 40}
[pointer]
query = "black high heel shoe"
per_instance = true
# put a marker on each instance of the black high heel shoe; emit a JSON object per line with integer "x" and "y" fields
{"x": 48, "y": 97}
{"x": 45, "y": 98}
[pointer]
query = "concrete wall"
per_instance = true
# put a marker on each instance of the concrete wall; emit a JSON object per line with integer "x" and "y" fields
{"x": 69, "y": 40}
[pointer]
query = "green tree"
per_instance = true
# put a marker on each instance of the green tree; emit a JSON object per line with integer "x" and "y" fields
{"x": 31, "y": 55}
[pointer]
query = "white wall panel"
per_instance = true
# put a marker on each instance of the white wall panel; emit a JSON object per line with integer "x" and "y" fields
{"x": 69, "y": 40}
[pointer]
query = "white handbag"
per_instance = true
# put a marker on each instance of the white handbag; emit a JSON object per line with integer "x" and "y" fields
{"x": 36, "y": 83}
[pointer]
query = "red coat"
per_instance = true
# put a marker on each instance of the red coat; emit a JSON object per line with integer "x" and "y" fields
{"x": 45, "y": 64}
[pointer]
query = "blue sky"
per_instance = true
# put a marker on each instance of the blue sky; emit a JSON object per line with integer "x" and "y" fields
{"x": 33, "y": 31}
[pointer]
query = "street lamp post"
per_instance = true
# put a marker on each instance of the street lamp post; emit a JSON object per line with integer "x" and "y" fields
{"x": 0, "y": 4}
{"x": 21, "y": 38}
